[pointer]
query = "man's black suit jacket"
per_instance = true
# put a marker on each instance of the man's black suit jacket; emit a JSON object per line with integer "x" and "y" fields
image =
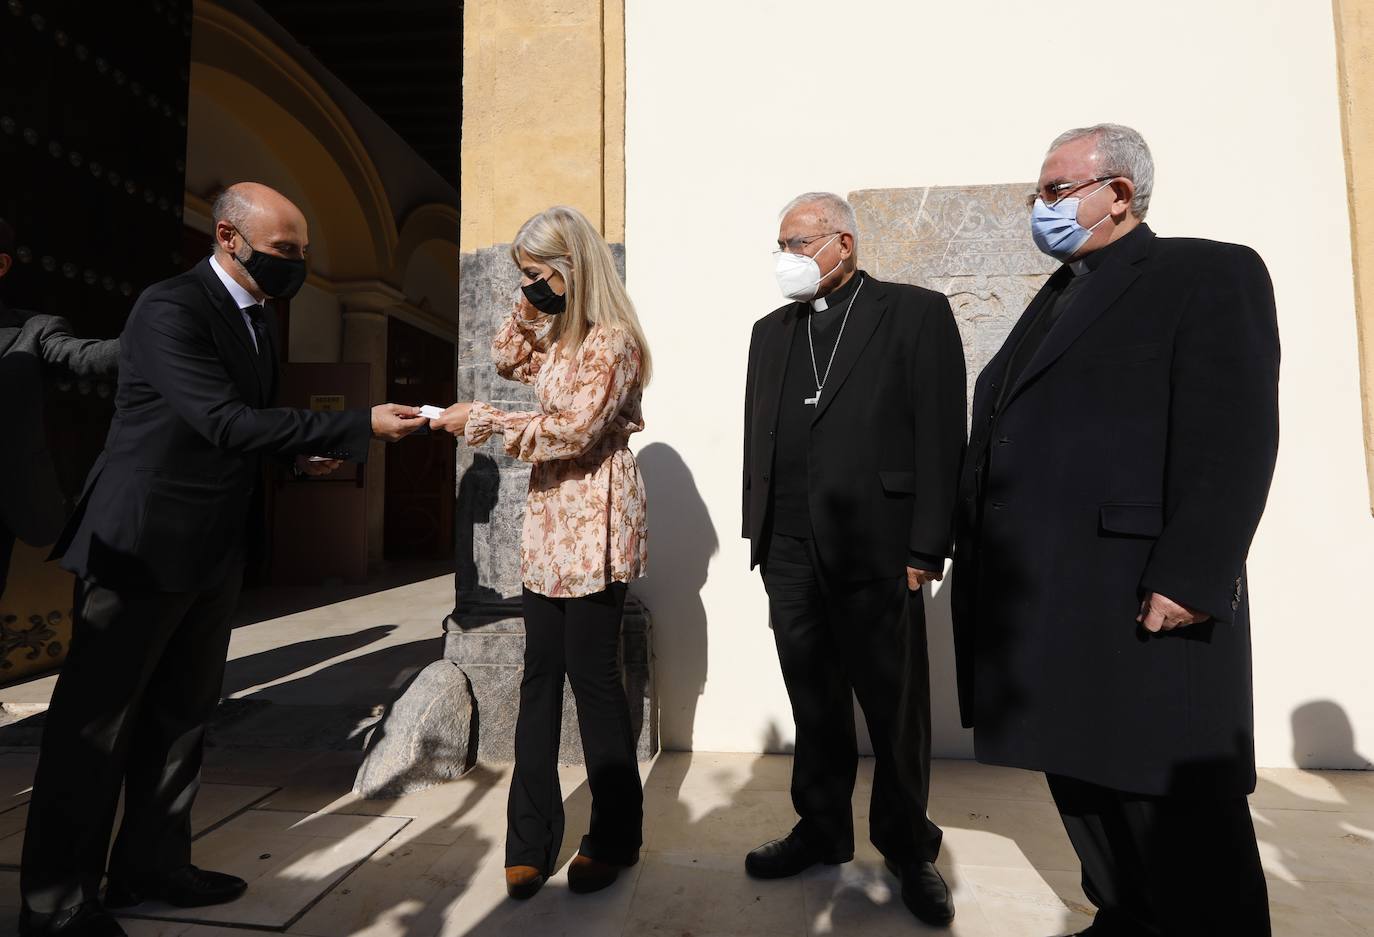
{"x": 886, "y": 439}
{"x": 33, "y": 506}
{"x": 166, "y": 505}
{"x": 1132, "y": 455}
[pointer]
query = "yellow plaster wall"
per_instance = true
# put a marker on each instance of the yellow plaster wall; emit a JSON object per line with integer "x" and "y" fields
{"x": 1355, "y": 58}
{"x": 543, "y": 114}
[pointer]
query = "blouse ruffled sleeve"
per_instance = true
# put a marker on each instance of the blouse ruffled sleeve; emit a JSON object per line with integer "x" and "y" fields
{"x": 520, "y": 347}
{"x": 607, "y": 371}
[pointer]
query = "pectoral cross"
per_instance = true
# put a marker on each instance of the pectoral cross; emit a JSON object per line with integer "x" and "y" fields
{"x": 813, "y": 401}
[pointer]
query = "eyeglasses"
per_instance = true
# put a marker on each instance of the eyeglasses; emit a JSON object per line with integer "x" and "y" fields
{"x": 795, "y": 245}
{"x": 1059, "y": 190}
{"x": 289, "y": 251}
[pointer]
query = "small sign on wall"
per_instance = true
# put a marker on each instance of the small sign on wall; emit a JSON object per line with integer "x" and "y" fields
{"x": 327, "y": 403}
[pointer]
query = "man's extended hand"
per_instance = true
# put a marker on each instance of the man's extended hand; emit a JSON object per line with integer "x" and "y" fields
{"x": 392, "y": 421}
{"x": 915, "y": 578}
{"x": 454, "y": 419}
{"x": 1161, "y": 613}
{"x": 307, "y": 467}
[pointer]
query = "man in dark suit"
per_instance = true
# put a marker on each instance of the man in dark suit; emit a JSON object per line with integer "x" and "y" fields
{"x": 853, "y": 431}
{"x": 32, "y": 504}
{"x": 157, "y": 545}
{"x": 1122, "y": 446}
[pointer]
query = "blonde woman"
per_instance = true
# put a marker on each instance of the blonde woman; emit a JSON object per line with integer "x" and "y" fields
{"x": 575, "y": 337}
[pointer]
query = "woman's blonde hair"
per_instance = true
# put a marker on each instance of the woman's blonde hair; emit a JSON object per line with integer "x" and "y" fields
{"x": 563, "y": 238}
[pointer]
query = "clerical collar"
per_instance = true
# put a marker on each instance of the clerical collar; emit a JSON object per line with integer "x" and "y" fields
{"x": 1091, "y": 262}
{"x": 840, "y": 296}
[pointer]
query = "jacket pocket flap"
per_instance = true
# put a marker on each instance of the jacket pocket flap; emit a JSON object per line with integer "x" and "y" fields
{"x": 1133, "y": 519}
{"x": 899, "y": 482}
{"x": 1126, "y": 354}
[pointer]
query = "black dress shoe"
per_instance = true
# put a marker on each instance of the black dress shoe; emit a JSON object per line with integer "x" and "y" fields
{"x": 788, "y": 856}
{"x": 186, "y": 887}
{"x": 924, "y": 892}
{"x": 87, "y": 920}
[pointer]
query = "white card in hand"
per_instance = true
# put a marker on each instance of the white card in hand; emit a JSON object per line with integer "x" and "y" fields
{"x": 431, "y": 413}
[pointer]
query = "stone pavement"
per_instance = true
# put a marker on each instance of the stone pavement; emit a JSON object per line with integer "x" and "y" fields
{"x": 309, "y": 667}
{"x": 325, "y": 864}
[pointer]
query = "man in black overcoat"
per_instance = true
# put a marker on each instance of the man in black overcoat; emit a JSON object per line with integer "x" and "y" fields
{"x": 853, "y": 432}
{"x": 33, "y": 348}
{"x": 157, "y": 546}
{"x": 1121, "y": 450}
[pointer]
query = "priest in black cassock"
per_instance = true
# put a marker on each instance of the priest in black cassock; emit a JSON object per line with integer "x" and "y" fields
{"x": 1123, "y": 442}
{"x": 853, "y": 433}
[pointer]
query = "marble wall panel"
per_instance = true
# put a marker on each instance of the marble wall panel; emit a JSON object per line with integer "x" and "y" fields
{"x": 971, "y": 243}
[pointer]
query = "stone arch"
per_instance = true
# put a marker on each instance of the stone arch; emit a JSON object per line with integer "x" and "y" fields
{"x": 428, "y": 246}
{"x": 299, "y": 122}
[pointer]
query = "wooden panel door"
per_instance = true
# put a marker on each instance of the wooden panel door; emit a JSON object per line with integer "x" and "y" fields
{"x": 418, "y": 518}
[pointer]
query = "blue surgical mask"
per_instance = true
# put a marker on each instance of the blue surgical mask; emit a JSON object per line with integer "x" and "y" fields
{"x": 1055, "y": 228}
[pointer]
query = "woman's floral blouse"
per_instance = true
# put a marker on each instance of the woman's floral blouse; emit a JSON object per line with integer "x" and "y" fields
{"x": 585, "y": 517}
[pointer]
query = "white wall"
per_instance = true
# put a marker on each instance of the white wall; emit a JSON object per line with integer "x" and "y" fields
{"x": 735, "y": 107}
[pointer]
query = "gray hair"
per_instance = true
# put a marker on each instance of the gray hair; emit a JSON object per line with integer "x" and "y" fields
{"x": 1122, "y": 152}
{"x": 232, "y": 206}
{"x": 836, "y": 211}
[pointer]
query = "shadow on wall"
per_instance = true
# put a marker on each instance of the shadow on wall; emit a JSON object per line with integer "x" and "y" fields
{"x": 948, "y": 739}
{"x": 1324, "y": 738}
{"x": 478, "y": 492}
{"x": 1312, "y": 827}
{"x": 682, "y": 541}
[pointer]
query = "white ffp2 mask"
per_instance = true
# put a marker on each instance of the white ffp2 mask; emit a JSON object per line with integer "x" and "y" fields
{"x": 799, "y": 276}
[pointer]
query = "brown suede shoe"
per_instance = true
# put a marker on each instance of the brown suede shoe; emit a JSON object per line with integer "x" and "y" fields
{"x": 522, "y": 881}
{"x": 586, "y": 875}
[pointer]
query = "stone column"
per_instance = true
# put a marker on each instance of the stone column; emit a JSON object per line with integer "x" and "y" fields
{"x": 1354, "y": 35}
{"x": 364, "y": 340}
{"x": 570, "y": 55}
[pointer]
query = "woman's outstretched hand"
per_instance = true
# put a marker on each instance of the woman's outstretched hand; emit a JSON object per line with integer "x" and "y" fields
{"x": 453, "y": 420}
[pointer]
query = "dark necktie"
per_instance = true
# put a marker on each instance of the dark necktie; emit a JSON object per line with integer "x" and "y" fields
{"x": 258, "y": 316}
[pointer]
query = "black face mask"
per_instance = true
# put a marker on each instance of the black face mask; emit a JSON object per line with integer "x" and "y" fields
{"x": 542, "y": 297}
{"x": 278, "y": 277}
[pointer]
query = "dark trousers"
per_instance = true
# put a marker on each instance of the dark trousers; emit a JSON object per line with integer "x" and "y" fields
{"x": 141, "y": 680}
{"x": 579, "y": 638}
{"x": 836, "y": 641}
{"x": 1165, "y": 866}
